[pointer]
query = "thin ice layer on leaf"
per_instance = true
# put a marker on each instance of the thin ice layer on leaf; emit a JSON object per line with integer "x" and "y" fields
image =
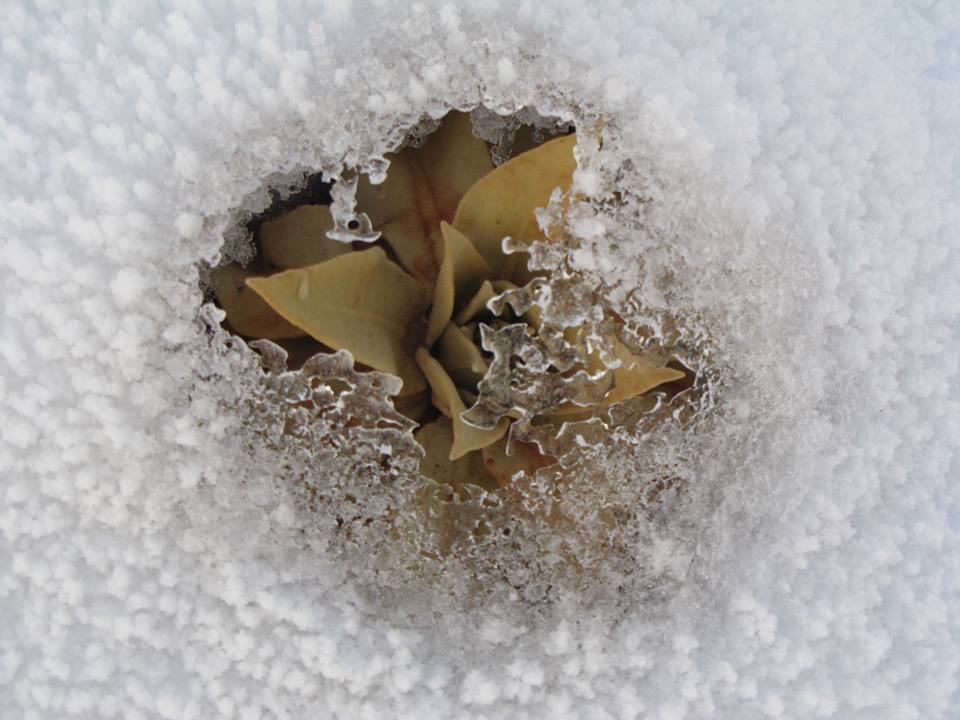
{"x": 461, "y": 273}
{"x": 504, "y": 202}
{"x": 465, "y": 437}
{"x": 533, "y": 315}
{"x": 461, "y": 357}
{"x": 570, "y": 411}
{"x": 525, "y": 457}
{"x": 437, "y": 438}
{"x": 635, "y": 375}
{"x": 423, "y": 187}
{"x": 361, "y": 302}
{"x": 246, "y": 311}
{"x": 299, "y": 238}
{"x": 442, "y": 515}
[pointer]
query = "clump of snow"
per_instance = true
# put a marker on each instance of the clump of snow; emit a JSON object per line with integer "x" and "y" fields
{"x": 775, "y": 193}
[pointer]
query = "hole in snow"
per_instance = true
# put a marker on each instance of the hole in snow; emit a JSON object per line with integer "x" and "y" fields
{"x": 468, "y": 396}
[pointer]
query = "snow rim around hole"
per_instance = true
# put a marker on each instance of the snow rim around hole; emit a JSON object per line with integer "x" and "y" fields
{"x": 672, "y": 553}
{"x": 806, "y": 156}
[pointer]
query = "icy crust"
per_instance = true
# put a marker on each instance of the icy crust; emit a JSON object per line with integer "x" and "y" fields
{"x": 791, "y": 192}
{"x": 571, "y": 527}
{"x": 330, "y": 438}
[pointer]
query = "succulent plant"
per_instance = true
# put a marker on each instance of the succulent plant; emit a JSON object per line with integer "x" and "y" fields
{"x": 413, "y": 303}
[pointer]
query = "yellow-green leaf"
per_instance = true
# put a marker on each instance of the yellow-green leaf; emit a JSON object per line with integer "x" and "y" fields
{"x": 461, "y": 272}
{"x": 437, "y": 438}
{"x": 526, "y": 457}
{"x": 469, "y": 267}
{"x": 453, "y": 159}
{"x": 361, "y": 302}
{"x": 503, "y": 202}
{"x": 636, "y": 375}
{"x": 423, "y": 187}
{"x": 461, "y": 357}
{"x": 440, "y": 404}
{"x": 443, "y": 297}
{"x": 299, "y": 238}
{"x": 246, "y": 311}
{"x": 465, "y": 437}
{"x": 476, "y": 304}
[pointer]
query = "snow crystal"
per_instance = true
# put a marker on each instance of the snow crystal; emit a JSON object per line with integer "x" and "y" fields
{"x": 767, "y": 193}
{"x": 128, "y": 286}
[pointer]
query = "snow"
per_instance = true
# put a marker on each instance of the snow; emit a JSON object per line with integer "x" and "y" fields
{"x": 799, "y": 170}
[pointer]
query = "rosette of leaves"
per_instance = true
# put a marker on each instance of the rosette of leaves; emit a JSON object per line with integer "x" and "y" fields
{"x": 413, "y": 302}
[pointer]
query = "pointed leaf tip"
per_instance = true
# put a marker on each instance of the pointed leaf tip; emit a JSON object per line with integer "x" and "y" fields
{"x": 504, "y": 202}
{"x": 299, "y": 238}
{"x": 361, "y": 302}
{"x": 636, "y": 375}
{"x": 247, "y": 313}
{"x": 465, "y": 437}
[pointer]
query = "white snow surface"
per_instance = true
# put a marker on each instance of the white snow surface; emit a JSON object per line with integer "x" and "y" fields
{"x": 803, "y": 164}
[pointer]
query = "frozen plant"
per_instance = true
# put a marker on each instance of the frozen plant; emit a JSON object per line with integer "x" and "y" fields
{"x": 427, "y": 300}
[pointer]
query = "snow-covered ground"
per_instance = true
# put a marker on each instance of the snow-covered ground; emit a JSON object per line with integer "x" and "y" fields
{"x": 799, "y": 164}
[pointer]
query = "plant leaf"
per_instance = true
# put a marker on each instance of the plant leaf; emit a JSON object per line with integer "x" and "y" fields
{"x": 461, "y": 272}
{"x": 461, "y": 357}
{"x": 443, "y": 297}
{"x": 476, "y": 304}
{"x": 533, "y": 315}
{"x": 636, "y": 375}
{"x": 453, "y": 159}
{"x": 465, "y": 437}
{"x": 437, "y": 438}
{"x": 525, "y": 457}
{"x": 503, "y": 202}
{"x": 246, "y": 311}
{"x": 299, "y": 238}
{"x": 423, "y": 187}
{"x": 447, "y": 519}
{"x": 469, "y": 268}
{"x": 361, "y": 302}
